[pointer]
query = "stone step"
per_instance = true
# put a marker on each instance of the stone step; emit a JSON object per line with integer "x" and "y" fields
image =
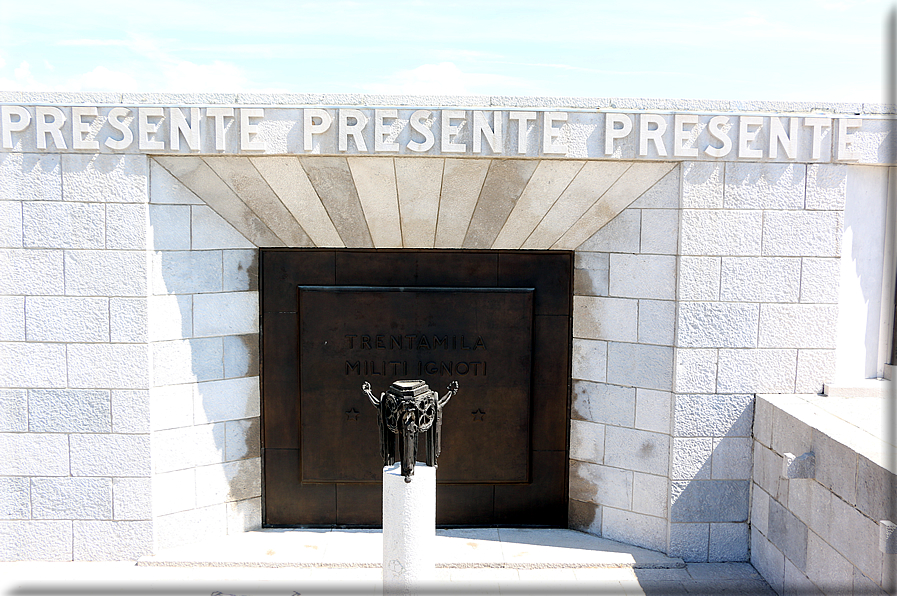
{"x": 863, "y": 388}
{"x": 509, "y": 548}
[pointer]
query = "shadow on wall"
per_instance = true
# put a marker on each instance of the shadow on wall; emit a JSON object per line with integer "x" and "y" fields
{"x": 701, "y": 513}
{"x": 203, "y": 321}
{"x": 710, "y": 480}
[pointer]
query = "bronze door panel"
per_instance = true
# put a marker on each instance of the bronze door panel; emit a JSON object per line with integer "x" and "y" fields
{"x": 280, "y": 380}
{"x": 287, "y": 500}
{"x": 550, "y": 422}
{"x": 505, "y": 434}
{"x": 550, "y": 276}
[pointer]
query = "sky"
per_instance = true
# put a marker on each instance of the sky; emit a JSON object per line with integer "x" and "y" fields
{"x": 788, "y": 50}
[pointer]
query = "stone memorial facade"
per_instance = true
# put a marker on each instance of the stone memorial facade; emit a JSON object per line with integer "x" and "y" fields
{"x": 721, "y": 250}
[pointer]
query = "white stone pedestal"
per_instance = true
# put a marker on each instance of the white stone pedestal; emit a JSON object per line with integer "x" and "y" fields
{"x": 409, "y": 529}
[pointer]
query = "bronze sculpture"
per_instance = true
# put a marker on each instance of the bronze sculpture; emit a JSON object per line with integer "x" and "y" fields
{"x": 405, "y": 410}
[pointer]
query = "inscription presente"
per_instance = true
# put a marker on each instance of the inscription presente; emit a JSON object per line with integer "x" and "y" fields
{"x": 595, "y": 134}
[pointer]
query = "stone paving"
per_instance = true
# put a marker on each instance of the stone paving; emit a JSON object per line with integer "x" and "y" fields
{"x": 471, "y": 561}
{"x": 79, "y": 579}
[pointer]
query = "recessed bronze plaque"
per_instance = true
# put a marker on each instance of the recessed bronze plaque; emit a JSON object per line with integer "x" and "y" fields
{"x": 499, "y": 322}
{"x": 480, "y": 337}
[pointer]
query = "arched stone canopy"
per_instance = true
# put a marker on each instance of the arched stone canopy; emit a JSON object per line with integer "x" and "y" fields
{"x": 415, "y": 202}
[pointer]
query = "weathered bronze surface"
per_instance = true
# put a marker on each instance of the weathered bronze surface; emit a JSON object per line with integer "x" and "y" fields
{"x": 481, "y": 337}
{"x": 506, "y": 439}
{"x": 405, "y": 410}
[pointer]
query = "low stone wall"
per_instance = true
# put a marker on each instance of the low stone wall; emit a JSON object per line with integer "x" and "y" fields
{"x": 819, "y": 530}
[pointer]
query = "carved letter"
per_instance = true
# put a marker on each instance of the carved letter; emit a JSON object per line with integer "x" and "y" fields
{"x": 309, "y": 127}
{"x": 481, "y": 129}
{"x": 346, "y": 129}
{"x": 218, "y": 115}
{"x": 716, "y": 129}
{"x": 817, "y": 124}
{"x": 778, "y": 135}
{"x": 247, "y": 129}
{"x": 80, "y": 128}
{"x": 53, "y": 127}
{"x": 381, "y": 130}
{"x": 127, "y": 137}
{"x": 418, "y": 125}
{"x": 846, "y": 149}
{"x": 179, "y": 126}
{"x": 522, "y": 118}
{"x": 145, "y": 128}
{"x": 611, "y": 132}
{"x": 746, "y": 136}
{"x": 449, "y": 131}
{"x": 646, "y": 133}
{"x": 549, "y": 133}
{"x": 23, "y": 119}
{"x": 681, "y": 136}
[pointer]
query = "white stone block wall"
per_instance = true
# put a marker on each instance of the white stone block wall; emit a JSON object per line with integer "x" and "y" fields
{"x": 128, "y": 341}
{"x": 820, "y": 534}
{"x": 757, "y": 312}
{"x": 203, "y": 335}
{"x": 624, "y": 319}
{"x": 74, "y": 359}
{"x": 718, "y": 283}
{"x": 128, "y": 362}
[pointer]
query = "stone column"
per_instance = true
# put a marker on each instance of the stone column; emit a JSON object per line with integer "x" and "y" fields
{"x": 409, "y": 529}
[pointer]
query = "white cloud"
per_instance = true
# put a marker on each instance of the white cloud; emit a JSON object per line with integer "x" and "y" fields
{"x": 93, "y": 42}
{"x": 174, "y": 74}
{"x": 22, "y": 80}
{"x": 185, "y": 76}
{"x": 103, "y": 79}
{"x": 23, "y": 73}
{"x": 153, "y": 68}
{"x": 444, "y": 78}
{"x": 180, "y": 76}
